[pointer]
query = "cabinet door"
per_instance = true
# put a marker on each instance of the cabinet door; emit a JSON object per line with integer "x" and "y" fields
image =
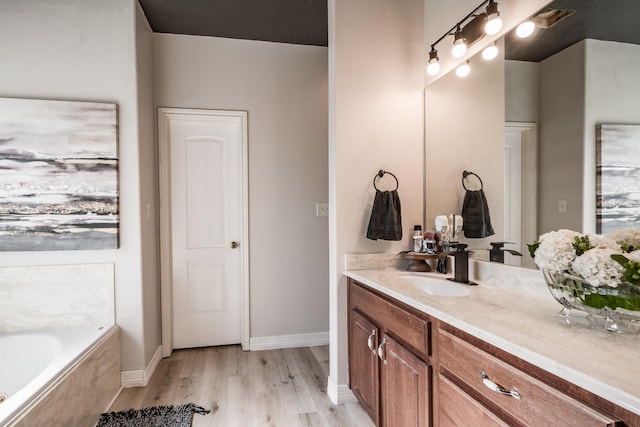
{"x": 363, "y": 362}
{"x": 405, "y": 386}
{"x": 458, "y": 409}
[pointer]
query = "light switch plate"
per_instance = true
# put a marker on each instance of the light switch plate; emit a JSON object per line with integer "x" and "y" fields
{"x": 562, "y": 206}
{"x": 322, "y": 209}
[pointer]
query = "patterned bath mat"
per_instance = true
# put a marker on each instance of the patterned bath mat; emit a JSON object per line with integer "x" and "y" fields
{"x": 165, "y": 416}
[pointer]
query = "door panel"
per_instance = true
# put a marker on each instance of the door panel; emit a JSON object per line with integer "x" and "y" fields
{"x": 206, "y": 217}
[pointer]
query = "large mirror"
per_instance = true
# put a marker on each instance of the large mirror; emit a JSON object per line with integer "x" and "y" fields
{"x": 526, "y": 123}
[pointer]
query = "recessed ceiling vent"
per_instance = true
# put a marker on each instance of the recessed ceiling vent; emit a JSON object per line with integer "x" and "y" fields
{"x": 550, "y": 17}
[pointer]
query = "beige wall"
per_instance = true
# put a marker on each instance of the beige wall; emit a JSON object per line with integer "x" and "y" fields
{"x": 85, "y": 50}
{"x": 284, "y": 89}
{"x": 521, "y": 91}
{"x": 376, "y": 73}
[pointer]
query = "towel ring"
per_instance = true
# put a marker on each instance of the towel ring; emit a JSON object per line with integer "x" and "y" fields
{"x": 380, "y": 174}
{"x": 465, "y": 174}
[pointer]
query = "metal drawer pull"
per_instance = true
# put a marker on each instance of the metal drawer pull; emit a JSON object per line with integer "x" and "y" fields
{"x": 381, "y": 354}
{"x": 495, "y": 387}
{"x": 370, "y": 343}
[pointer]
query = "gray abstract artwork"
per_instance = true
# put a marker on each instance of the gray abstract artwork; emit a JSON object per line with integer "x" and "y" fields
{"x": 617, "y": 177}
{"x": 58, "y": 175}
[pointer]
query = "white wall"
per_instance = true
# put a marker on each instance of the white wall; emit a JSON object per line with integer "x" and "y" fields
{"x": 85, "y": 50}
{"x": 284, "y": 89}
{"x": 464, "y": 121}
{"x": 376, "y": 73}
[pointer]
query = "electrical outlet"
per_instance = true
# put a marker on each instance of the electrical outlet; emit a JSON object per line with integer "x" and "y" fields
{"x": 322, "y": 209}
{"x": 562, "y": 206}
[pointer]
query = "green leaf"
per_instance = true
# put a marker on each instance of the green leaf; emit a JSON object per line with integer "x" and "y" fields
{"x": 533, "y": 247}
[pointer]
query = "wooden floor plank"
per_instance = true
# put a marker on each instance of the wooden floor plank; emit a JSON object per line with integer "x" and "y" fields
{"x": 271, "y": 388}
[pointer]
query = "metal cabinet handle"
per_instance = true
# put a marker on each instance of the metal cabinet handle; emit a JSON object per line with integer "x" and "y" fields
{"x": 370, "y": 342}
{"x": 234, "y": 245}
{"x": 381, "y": 352}
{"x": 495, "y": 387}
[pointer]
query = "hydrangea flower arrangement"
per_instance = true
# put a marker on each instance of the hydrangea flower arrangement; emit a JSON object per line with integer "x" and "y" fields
{"x": 603, "y": 262}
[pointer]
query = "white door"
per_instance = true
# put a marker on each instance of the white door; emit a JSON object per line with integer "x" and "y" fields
{"x": 207, "y": 216}
{"x": 520, "y": 190}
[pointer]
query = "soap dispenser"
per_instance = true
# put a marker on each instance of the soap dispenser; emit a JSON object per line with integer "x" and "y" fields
{"x": 417, "y": 238}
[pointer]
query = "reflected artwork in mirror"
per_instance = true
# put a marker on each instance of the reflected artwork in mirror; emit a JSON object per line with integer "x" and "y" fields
{"x": 527, "y": 121}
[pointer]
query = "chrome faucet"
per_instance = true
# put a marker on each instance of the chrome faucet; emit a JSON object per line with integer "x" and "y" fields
{"x": 461, "y": 267}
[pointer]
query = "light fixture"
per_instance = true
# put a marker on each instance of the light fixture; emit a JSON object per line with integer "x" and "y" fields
{"x": 494, "y": 23}
{"x": 466, "y": 32}
{"x": 459, "y": 44}
{"x": 434, "y": 62}
{"x": 463, "y": 70}
{"x": 490, "y": 52}
{"x": 525, "y": 29}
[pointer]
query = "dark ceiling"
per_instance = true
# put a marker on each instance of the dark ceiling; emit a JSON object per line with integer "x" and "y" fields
{"x": 608, "y": 20}
{"x": 285, "y": 21}
{"x": 305, "y": 22}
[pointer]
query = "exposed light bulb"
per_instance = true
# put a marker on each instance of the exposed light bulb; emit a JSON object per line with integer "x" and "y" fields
{"x": 459, "y": 50}
{"x": 494, "y": 23}
{"x": 459, "y": 44}
{"x": 433, "y": 68}
{"x": 434, "y": 62}
{"x": 463, "y": 70}
{"x": 490, "y": 52}
{"x": 525, "y": 29}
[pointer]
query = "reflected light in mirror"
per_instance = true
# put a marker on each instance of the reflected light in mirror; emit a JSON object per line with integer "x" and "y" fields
{"x": 463, "y": 70}
{"x": 525, "y": 29}
{"x": 490, "y": 52}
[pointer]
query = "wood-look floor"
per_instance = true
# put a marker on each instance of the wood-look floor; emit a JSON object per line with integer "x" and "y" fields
{"x": 284, "y": 387}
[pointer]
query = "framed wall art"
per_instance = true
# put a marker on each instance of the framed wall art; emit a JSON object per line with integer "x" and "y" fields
{"x": 617, "y": 177}
{"x": 58, "y": 175}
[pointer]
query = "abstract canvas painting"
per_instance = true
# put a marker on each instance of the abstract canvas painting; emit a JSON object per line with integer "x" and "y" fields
{"x": 58, "y": 175}
{"x": 617, "y": 177}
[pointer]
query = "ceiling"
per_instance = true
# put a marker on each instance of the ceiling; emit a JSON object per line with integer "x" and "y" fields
{"x": 284, "y": 21}
{"x": 609, "y": 20}
{"x": 305, "y": 22}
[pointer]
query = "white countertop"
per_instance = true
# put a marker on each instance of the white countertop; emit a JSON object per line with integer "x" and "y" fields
{"x": 526, "y": 325}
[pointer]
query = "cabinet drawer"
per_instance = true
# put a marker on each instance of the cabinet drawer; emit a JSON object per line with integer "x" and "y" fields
{"x": 458, "y": 409}
{"x": 540, "y": 404}
{"x": 403, "y": 325}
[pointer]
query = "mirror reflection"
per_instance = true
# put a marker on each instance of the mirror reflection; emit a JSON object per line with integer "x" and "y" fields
{"x": 526, "y": 122}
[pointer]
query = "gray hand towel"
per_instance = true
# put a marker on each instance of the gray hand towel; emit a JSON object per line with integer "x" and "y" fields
{"x": 385, "y": 222}
{"x": 475, "y": 215}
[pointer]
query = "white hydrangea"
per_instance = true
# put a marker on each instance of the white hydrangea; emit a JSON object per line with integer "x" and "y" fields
{"x": 626, "y": 237}
{"x": 599, "y": 241}
{"x": 633, "y": 256}
{"x": 597, "y": 268}
{"x": 556, "y": 252}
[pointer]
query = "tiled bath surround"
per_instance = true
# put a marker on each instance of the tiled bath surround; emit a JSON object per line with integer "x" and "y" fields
{"x": 56, "y": 296}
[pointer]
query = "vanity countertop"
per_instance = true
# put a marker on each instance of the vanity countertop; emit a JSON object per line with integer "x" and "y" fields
{"x": 526, "y": 325}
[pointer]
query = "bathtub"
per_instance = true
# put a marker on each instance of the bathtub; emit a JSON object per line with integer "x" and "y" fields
{"x": 35, "y": 364}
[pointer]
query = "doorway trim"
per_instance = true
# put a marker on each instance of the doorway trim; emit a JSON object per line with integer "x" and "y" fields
{"x": 164, "y": 171}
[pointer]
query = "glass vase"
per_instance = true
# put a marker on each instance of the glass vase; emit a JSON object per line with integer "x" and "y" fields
{"x": 616, "y": 309}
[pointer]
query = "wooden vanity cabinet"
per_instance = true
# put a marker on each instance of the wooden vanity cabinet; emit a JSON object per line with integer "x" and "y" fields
{"x": 479, "y": 382}
{"x": 389, "y": 351}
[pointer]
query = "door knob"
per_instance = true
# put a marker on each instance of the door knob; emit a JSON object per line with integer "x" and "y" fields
{"x": 234, "y": 245}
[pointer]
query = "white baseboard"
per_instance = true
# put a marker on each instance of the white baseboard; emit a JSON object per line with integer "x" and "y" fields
{"x": 340, "y": 393}
{"x": 141, "y": 377}
{"x": 289, "y": 341}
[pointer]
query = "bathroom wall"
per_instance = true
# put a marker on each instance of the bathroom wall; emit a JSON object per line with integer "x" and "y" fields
{"x": 86, "y": 50}
{"x": 521, "y": 91}
{"x": 284, "y": 89}
{"x": 376, "y": 75}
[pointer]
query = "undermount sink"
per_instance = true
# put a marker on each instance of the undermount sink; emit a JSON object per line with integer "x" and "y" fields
{"x": 426, "y": 285}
